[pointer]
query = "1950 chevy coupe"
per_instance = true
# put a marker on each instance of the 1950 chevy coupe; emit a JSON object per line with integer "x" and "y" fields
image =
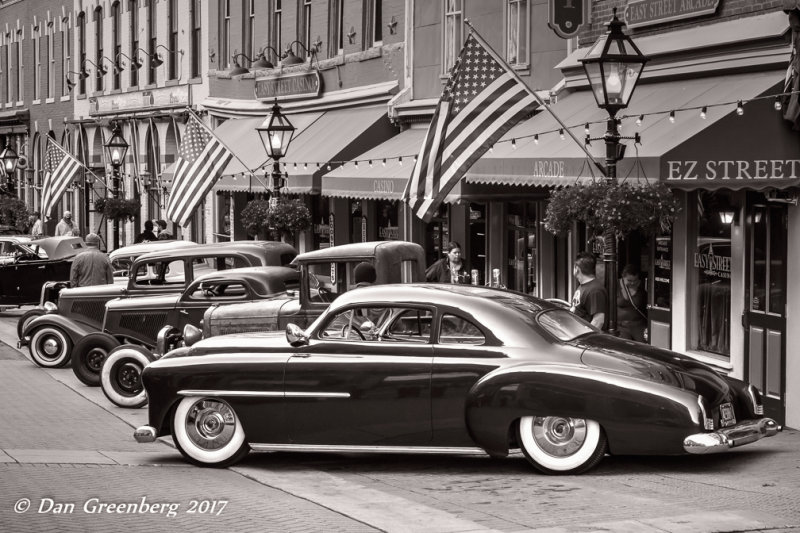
{"x": 137, "y": 323}
{"x": 78, "y": 316}
{"x": 440, "y": 368}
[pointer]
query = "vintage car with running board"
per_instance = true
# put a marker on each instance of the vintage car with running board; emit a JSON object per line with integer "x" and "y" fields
{"x": 80, "y": 310}
{"x": 441, "y": 368}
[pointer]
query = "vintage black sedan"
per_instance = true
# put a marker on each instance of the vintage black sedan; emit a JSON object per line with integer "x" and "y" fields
{"x": 438, "y": 368}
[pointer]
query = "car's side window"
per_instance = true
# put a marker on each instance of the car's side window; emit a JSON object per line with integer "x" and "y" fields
{"x": 458, "y": 330}
{"x": 220, "y": 291}
{"x": 379, "y": 324}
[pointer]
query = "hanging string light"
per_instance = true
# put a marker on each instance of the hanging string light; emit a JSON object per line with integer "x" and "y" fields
{"x": 703, "y": 112}
{"x": 778, "y": 105}
{"x": 400, "y": 160}
{"x": 672, "y": 116}
{"x": 561, "y": 133}
{"x": 305, "y": 166}
{"x": 739, "y": 108}
{"x": 586, "y": 129}
{"x": 640, "y": 120}
{"x": 514, "y": 144}
{"x": 370, "y": 163}
{"x": 491, "y": 149}
{"x": 383, "y": 162}
{"x": 536, "y": 139}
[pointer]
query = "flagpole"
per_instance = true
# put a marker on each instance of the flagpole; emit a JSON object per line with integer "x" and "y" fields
{"x": 251, "y": 171}
{"x": 533, "y": 93}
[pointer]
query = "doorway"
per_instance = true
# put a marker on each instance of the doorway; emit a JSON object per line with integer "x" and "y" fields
{"x": 765, "y": 302}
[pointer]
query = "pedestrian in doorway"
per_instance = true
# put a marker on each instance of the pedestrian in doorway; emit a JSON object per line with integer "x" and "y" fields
{"x": 450, "y": 268}
{"x": 36, "y": 228}
{"x": 631, "y": 305}
{"x": 91, "y": 267}
{"x": 66, "y": 227}
{"x": 147, "y": 235}
{"x": 591, "y": 298}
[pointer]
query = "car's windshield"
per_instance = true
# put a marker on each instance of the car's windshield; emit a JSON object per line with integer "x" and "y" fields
{"x": 564, "y": 325}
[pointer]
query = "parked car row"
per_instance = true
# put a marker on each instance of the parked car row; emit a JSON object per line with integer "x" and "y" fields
{"x": 248, "y": 346}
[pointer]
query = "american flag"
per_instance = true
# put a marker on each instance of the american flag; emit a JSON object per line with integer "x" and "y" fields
{"x": 59, "y": 171}
{"x": 201, "y": 161}
{"x": 481, "y": 101}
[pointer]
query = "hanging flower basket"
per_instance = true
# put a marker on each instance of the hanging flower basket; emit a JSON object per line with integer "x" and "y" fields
{"x": 621, "y": 207}
{"x": 117, "y": 208}
{"x": 284, "y": 219}
{"x": 13, "y": 212}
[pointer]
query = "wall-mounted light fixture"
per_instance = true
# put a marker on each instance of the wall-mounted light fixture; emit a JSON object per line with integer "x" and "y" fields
{"x": 82, "y": 75}
{"x": 727, "y": 216}
{"x": 290, "y": 58}
{"x": 100, "y": 70}
{"x": 119, "y": 66}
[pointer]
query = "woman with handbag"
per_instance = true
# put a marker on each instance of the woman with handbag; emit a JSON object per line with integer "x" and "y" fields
{"x": 631, "y": 305}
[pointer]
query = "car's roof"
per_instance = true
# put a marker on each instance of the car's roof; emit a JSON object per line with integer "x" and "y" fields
{"x": 60, "y": 247}
{"x": 354, "y": 250}
{"x": 201, "y": 250}
{"x": 135, "y": 250}
{"x": 258, "y": 274}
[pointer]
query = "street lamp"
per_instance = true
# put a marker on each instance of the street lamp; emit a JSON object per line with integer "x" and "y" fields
{"x": 116, "y": 147}
{"x": 8, "y": 163}
{"x": 613, "y": 67}
{"x": 276, "y": 133}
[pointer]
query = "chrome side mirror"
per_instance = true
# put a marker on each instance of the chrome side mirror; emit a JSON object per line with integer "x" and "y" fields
{"x": 191, "y": 335}
{"x": 295, "y": 335}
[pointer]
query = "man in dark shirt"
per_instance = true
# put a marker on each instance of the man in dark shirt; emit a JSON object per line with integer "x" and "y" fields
{"x": 591, "y": 298}
{"x": 91, "y": 267}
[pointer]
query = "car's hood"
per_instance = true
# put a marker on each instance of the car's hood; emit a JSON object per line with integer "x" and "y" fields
{"x": 268, "y": 341}
{"x": 653, "y": 364}
{"x": 165, "y": 301}
{"x": 111, "y": 290}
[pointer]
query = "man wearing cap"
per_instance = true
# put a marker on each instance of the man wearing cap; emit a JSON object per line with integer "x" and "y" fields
{"x": 91, "y": 267}
{"x": 66, "y": 226}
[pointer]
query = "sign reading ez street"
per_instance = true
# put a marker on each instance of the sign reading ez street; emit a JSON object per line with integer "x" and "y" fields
{"x": 648, "y": 12}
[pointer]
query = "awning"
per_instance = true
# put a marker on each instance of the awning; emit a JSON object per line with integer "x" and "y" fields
{"x": 379, "y": 182}
{"x": 723, "y": 150}
{"x": 339, "y": 135}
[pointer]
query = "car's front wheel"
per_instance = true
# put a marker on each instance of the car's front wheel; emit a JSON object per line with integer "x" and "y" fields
{"x": 50, "y": 347}
{"x": 208, "y": 433}
{"x": 561, "y": 445}
{"x": 121, "y": 376}
{"x": 89, "y": 355}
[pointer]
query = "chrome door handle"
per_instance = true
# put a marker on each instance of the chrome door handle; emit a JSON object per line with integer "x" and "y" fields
{"x": 184, "y": 312}
{"x": 303, "y": 355}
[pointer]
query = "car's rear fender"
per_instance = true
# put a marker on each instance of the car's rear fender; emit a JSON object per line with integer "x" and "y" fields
{"x": 75, "y": 330}
{"x": 639, "y": 417}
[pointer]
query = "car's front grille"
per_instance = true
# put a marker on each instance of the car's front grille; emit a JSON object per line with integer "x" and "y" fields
{"x": 228, "y": 329}
{"x": 146, "y": 325}
{"x": 92, "y": 310}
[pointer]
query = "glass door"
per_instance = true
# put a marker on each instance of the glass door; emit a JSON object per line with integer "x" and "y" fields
{"x": 521, "y": 247}
{"x": 659, "y": 308}
{"x": 765, "y": 303}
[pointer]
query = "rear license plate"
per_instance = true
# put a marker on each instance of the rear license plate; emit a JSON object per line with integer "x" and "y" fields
{"x": 726, "y": 415}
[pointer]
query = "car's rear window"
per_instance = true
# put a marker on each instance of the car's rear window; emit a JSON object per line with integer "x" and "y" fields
{"x": 564, "y": 325}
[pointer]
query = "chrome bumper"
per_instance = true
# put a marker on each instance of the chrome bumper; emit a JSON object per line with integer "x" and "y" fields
{"x": 24, "y": 341}
{"x": 723, "y": 439}
{"x": 145, "y": 434}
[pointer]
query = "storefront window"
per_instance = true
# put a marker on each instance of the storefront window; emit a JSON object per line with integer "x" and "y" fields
{"x": 358, "y": 222}
{"x": 662, "y": 272}
{"x": 320, "y": 210}
{"x": 477, "y": 239}
{"x": 768, "y": 284}
{"x": 388, "y": 230}
{"x": 712, "y": 273}
{"x": 521, "y": 247}
{"x": 437, "y": 234}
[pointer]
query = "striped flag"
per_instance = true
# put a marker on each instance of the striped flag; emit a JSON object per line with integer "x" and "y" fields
{"x": 59, "y": 171}
{"x": 201, "y": 160}
{"x": 481, "y": 101}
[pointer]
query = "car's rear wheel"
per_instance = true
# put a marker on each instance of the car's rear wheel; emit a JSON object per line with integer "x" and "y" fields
{"x": 50, "y": 347}
{"x": 208, "y": 433}
{"x": 89, "y": 355}
{"x": 23, "y": 321}
{"x": 561, "y": 445}
{"x": 121, "y": 376}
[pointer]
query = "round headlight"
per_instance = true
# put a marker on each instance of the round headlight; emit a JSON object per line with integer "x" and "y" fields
{"x": 50, "y": 307}
{"x": 191, "y": 335}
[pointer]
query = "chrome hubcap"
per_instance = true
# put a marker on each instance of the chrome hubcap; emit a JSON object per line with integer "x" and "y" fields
{"x": 210, "y": 424}
{"x": 559, "y": 436}
{"x": 51, "y": 346}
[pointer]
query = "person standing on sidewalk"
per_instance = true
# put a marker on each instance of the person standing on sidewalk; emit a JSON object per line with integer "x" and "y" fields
{"x": 66, "y": 226}
{"x": 591, "y": 298}
{"x": 36, "y": 228}
{"x": 448, "y": 269}
{"x": 91, "y": 267}
{"x": 631, "y": 305}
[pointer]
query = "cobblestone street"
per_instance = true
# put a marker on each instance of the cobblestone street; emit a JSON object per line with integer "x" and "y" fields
{"x": 68, "y": 451}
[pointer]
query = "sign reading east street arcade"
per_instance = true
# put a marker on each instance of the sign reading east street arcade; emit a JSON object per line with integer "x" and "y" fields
{"x": 640, "y": 13}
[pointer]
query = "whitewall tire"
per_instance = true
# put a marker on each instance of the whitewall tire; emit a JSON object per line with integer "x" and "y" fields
{"x": 208, "y": 433}
{"x": 121, "y": 376}
{"x": 561, "y": 445}
{"x": 50, "y": 347}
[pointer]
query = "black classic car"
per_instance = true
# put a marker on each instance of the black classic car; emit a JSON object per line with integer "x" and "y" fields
{"x": 137, "y": 322}
{"x": 440, "y": 368}
{"x": 25, "y": 266}
{"x": 78, "y": 317}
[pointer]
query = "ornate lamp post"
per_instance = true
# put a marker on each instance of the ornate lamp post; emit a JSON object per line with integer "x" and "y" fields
{"x": 8, "y": 163}
{"x": 276, "y": 133}
{"x": 613, "y": 67}
{"x": 116, "y": 148}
